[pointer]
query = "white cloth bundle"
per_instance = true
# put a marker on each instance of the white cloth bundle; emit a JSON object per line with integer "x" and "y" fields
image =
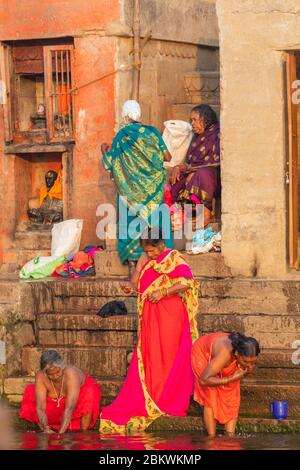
{"x": 177, "y": 137}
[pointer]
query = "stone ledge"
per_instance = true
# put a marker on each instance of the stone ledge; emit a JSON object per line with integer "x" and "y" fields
{"x": 244, "y": 425}
{"x": 64, "y": 321}
{"x": 96, "y": 361}
{"x": 108, "y": 264}
{"x": 33, "y": 240}
{"x": 255, "y": 403}
{"x": 83, "y": 338}
{"x": 209, "y": 265}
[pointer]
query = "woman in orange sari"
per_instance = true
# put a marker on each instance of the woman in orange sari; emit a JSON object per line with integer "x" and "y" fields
{"x": 219, "y": 362}
{"x": 160, "y": 378}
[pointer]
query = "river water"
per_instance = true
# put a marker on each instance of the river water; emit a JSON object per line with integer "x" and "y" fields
{"x": 92, "y": 440}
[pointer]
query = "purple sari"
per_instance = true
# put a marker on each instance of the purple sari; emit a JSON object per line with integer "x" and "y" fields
{"x": 201, "y": 181}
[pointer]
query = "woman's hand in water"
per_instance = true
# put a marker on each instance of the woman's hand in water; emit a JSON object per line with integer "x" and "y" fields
{"x": 48, "y": 430}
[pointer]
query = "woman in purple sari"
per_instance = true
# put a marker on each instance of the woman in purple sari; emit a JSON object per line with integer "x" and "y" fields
{"x": 197, "y": 181}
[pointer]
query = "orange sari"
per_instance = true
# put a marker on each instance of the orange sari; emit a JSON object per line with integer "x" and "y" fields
{"x": 225, "y": 399}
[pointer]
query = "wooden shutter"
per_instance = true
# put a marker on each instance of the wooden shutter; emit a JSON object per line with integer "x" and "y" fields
{"x": 292, "y": 161}
{"x": 6, "y": 75}
{"x": 59, "y": 80}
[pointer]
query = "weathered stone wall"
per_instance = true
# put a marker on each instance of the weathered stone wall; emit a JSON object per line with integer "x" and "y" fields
{"x": 184, "y": 38}
{"x": 164, "y": 65}
{"x": 253, "y": 36}
{"x": 29, "y": 19}
{"x": 191, "y": 21}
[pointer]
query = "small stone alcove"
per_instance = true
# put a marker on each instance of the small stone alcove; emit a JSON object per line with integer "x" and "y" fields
{"x": 29, "y": 176}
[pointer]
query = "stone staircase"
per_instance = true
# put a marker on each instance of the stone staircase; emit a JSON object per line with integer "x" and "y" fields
{"x": 27, "y": 245}
{"x": 61, "y": 314}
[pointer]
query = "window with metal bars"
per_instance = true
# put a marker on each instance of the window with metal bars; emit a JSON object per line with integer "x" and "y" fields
{"x": 58, "y": 62}
{"x": 38, "y": 81}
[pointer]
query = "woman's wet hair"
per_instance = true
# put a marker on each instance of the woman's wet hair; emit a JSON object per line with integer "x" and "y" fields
{"x": 207, "y": 113}
{"x": 152, "y": 236}
{"x": 244, "y": 345}
{"x": 51, "y": 358}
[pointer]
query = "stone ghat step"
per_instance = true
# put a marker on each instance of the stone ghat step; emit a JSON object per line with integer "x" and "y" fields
{"x": 97, "y": 361}
{"x": 223, "y": 288}
{"x": 105, "y": 338}
{"x": 205, "y": 265}
{"x": 75, "y": 321}
{"x": 111, "y": 361}
{"x": 7, "y": 290}
{"x": 195, "y": 424}
{"x": 272, "y": 332}
{"x": 33, "y": 240}
{"x": 16, "y": 257}
{"x": 218, "y": 297}
{"x": 244, "y": 425}
{"x": 221, "y": 296}
{"x": 14, "y": 388}
{"x": 255, "y": 398}
{"x": 4, "y": 308}
{"x": 69, "y": 328}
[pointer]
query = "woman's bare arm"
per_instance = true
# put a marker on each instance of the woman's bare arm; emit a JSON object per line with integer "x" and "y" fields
{"x": 41, "y": 396}
{"x": 135, "y": 277}
{"x": 178, "y": 288}
{"x": 208, "y": 377}
{"x": 157, "y": 295}
{"x": 72, "y": 392}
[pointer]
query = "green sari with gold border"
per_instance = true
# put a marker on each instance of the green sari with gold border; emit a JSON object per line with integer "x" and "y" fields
{"x": 135, "y": 162}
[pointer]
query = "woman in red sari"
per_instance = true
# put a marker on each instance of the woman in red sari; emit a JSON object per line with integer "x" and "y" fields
{"x": 220, "y": 361}
{"x": 160, "y": 378}
{"x": 63, "y": 398}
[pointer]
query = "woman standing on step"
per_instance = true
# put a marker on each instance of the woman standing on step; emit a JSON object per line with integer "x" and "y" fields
{"x": 220, "y": 361}
{"x": 135, "y": 162}
{"x": 160, "y": 378}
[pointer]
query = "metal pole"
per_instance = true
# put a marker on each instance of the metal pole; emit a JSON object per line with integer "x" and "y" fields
{"x": 137, "y": 49}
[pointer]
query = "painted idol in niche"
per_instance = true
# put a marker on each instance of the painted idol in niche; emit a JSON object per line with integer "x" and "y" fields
{"x": 48, "y": 209}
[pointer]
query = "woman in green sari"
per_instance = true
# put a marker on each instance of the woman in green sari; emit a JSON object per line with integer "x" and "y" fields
{"x": 135, "y": 162}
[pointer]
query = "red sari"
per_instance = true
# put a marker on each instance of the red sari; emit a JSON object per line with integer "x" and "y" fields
{"x": 160, "y": 379}
{"x": 225, "y": 399}
{"x": 88, "y": 402}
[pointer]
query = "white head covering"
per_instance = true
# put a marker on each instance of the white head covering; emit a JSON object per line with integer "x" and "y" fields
{"x": 131, "y": 109}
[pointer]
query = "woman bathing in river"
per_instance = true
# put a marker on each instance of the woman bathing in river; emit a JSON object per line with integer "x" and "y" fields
{"x": 219, "y": 362}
